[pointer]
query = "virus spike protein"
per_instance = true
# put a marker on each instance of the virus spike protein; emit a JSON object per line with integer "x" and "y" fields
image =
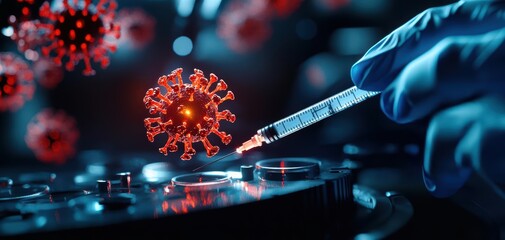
{"x": 80, "y": 33}
{"x": 188, "y": 113}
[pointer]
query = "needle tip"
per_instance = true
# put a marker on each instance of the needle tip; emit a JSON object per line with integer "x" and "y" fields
{"x": 219, "y": 159}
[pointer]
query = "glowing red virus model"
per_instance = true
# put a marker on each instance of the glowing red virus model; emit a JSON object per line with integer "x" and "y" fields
{"x": 137, "y": 28}
{"x": 243, "y": 27}
{"x": 80, "y": 31}
{"x": 52, "y": 136}
{"x": 16, "y": 82}
{"x": 187, "y": 112}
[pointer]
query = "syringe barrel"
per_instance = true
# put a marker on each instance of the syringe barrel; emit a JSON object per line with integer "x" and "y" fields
{"x": 314, "y": 113}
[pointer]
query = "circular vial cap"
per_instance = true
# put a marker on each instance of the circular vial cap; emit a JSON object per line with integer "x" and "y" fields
{"x": 247, "y": 172}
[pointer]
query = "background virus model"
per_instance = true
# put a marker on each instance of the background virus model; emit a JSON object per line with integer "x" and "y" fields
{"x": 16, "y": 82}
{"x": 187, "y": 112}
{"x": 79, "y": 31}
{"x": 243, "y": 27}
{"x": 280, "y": 8}
{"x": 52, "y": 136}
{"x": 47, "y": 73}
{"x": 137, "y": 28}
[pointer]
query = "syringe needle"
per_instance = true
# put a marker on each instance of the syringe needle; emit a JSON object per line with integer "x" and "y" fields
{"x": 219, "y": 159}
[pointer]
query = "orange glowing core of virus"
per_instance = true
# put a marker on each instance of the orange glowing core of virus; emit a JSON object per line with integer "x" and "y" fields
{"x": 188, "y": 113}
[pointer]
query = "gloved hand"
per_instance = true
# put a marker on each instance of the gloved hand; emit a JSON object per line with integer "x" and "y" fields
{"x": 448, "y": 64}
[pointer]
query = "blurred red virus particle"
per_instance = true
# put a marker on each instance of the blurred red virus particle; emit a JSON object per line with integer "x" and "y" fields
{"x": 137, "y": 28}
{"x": 52, "y": 136}
{"x": 280, "y": 8}
{"x": 79, "y": 31}
{"x": 47, "y": 73}
{"x": 16, "y": 82}
{"x": 244, "y": 27}
{"x": 188, "y": 113}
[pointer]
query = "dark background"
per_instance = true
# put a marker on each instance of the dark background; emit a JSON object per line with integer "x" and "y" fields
{"x": 269, "y": 83}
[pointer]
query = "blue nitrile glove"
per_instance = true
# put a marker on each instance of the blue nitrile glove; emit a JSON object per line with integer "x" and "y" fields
{"x": 447, "y": 63}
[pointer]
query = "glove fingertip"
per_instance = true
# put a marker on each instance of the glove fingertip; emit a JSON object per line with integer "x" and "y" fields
{"x": 358, "y": 74}
{"x": 366, "y": 76}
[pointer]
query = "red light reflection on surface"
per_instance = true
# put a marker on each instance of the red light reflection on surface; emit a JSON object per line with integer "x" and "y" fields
{"x": 195, "y": 197}
{"x": 164, "y": 206}
{"x": 255, "y": 191}
{"x": 282, "y": 165}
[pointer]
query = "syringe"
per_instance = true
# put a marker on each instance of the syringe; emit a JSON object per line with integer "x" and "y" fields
{"x": 302, "y": 119}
